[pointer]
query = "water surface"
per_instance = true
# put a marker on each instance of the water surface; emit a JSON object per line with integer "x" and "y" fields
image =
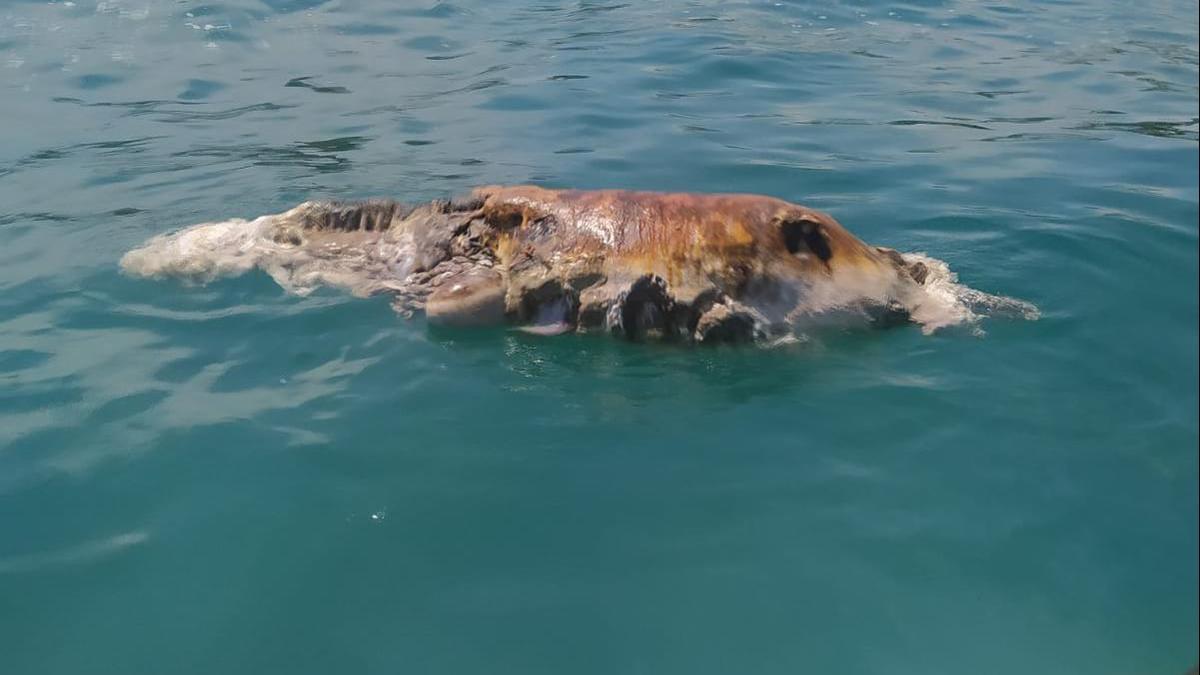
{"x": 232, "y": 479}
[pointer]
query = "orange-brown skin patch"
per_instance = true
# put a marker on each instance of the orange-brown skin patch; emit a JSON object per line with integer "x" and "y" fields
{"x": 671, "y": 233}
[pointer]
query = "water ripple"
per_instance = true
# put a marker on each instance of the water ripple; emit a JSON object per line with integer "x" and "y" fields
{"x": 153, "y": 433}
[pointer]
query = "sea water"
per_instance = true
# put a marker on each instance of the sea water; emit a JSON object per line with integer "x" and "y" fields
{"x": 227, "y": 478}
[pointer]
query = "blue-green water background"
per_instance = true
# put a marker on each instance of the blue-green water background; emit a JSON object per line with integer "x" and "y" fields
{"x": 230, "y": 479}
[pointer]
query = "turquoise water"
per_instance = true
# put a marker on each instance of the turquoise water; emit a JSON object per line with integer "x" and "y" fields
{"x": 231, "y": 479}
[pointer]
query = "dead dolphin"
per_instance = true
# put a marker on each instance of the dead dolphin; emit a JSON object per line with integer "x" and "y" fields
{"x": 672, "y": 266}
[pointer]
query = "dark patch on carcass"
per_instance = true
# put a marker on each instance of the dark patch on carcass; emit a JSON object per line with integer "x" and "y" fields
{"x": 803, "y": 235}
{"x": 725, "y": 324}
{"x": 918, "y": 271}
{"x": 505, "y": 217}
{"x": 551, "y": 294}
{"x": 648, "y": 310}
{"x": 373, "y": 215}
{"x": 467, "y": 203}
{"x": 701, "y": 304}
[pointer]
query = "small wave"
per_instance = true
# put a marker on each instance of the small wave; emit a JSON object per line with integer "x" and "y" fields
{"x": 942, "y": 301}
{"x": 86, "y": 552}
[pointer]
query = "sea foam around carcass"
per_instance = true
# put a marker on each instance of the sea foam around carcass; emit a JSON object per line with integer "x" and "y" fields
{"x": 941, "y": 301}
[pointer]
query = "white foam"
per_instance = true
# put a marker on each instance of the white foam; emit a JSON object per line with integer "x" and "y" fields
{"x": 360, "y": 262}
{"x": 201, "y": 253}
{"x": 942, "y": 302}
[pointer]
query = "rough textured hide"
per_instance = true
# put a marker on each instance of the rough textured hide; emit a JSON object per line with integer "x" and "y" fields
{"x": 640, "y": 265}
